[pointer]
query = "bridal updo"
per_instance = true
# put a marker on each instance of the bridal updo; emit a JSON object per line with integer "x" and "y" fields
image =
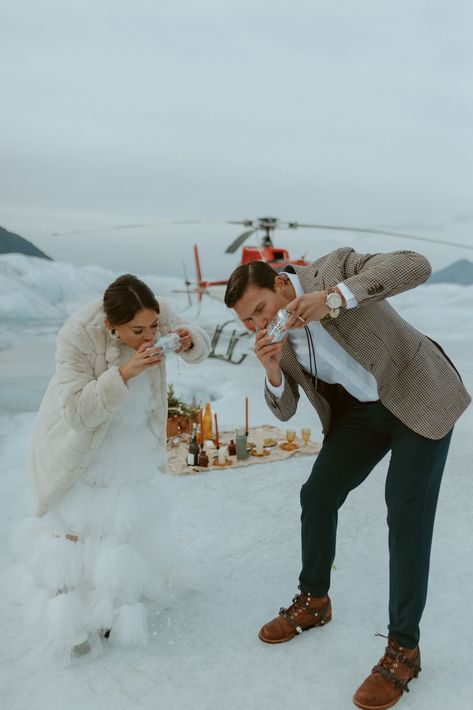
{"x": 125, "y": 297}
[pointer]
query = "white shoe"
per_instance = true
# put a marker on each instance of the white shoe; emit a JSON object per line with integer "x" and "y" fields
{"x": 81, "y": 644}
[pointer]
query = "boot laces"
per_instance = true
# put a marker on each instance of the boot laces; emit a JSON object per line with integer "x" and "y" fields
{"x": 299, "y": 603}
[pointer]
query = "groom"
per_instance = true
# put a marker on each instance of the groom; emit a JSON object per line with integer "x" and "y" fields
{"x": 378, "y": 386}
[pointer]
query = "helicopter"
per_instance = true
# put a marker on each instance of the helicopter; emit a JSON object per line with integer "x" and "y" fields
{"x": 277, "y": 257}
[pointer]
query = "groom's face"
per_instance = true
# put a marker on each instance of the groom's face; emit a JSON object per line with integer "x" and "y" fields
{"x": 258, "y": 306}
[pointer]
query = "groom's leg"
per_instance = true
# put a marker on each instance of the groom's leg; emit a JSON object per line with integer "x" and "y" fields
{"x": 348, "y": 455}
{"x": 412, "y": 488}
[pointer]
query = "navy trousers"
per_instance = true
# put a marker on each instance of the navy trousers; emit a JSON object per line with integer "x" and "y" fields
{"x": 361, "y": 436}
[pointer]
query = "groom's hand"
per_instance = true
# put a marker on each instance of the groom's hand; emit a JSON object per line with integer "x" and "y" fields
{"x": 269, "y": 355}
{"x": 307, "y": 308}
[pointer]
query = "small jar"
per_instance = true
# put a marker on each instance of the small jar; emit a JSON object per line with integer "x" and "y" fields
{"x": 203, "y": 458}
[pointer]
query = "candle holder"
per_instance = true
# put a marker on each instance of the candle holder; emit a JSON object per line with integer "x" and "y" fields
{"x": 265, "y": 452}
{"x": 228, "y": 462}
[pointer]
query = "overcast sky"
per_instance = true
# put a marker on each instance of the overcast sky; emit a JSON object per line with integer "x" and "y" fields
{"x": 330, "y": 111}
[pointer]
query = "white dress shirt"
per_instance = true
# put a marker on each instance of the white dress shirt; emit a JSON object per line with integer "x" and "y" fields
{"x": 334, "y": 364}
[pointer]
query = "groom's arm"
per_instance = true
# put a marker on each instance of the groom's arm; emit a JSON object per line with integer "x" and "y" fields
{"x": 282, "y": 400}
{"x": 374, "y": 277}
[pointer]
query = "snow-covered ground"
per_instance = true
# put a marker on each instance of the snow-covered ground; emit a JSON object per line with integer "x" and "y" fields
{"x": 241, "y": 528}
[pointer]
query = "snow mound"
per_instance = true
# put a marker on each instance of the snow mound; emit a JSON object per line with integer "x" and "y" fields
{"x": 34, "y": 289}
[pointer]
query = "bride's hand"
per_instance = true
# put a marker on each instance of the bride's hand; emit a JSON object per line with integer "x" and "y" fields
{"x": 186, "y": 339}
{"x": 146, "y": 356}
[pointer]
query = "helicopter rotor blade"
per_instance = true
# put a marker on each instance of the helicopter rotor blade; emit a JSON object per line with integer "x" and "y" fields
{"x": 143, "y": 225}
{"x": 361, "y": 230}
{"x": 239, "y": 241}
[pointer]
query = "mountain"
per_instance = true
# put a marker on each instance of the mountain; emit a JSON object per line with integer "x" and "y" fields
{"x": 460, "y": 272}
{"x": 10, "y": 242}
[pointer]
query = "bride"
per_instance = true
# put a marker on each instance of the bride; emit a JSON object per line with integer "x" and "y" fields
{"x": 100, "y": 546}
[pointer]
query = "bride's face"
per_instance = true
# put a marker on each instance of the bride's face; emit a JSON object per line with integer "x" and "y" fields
{"x": 142, "y": 329}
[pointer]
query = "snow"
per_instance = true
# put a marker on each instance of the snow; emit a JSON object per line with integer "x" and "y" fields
{"x": 241, "y": 529}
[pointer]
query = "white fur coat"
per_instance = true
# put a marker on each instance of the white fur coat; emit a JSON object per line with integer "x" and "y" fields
{"x": 85, "y": 391}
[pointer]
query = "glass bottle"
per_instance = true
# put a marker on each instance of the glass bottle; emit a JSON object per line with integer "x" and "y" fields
{"x": 207, "y": 423}
{"x": 193, "y": 453}
{"x": 241, "y": 445}
{"x": 203, "y": 458}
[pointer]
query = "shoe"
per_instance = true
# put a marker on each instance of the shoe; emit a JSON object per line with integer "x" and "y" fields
{"x": 389, "y": 678}
{"x": 81, "y": 645}
{"x": 304, "y": 613}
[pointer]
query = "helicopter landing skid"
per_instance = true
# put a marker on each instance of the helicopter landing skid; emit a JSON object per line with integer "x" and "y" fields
{"x": 233, "y": 340}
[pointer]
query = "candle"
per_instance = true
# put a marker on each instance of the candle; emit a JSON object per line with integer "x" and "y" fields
{"x": 216, "y": 430}
{"x": 222, "y": 455}
{"x": 259, "y": 439}
{"x": 246, "y": 416}
{"x": 201, "y": 426}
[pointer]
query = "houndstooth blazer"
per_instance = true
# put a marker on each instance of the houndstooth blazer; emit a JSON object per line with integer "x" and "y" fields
{"x": 416, "y": 380}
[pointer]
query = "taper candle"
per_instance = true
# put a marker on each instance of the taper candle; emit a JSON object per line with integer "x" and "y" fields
{"x": 201, "y": 426}
{"x": 216, "y": 430}
{"x": 246, "y": 416}
{"x": 259, "y": 441}
{"x": 222, "y": 455}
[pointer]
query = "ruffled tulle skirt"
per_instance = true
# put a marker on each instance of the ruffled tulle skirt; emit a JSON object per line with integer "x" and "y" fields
{"x": 87, "y": 578}
{"x": 106, "y": 549}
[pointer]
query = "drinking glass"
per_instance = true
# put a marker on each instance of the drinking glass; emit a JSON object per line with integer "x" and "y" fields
{"x": 305, "y": 434}
{"x": 290, "y": 435}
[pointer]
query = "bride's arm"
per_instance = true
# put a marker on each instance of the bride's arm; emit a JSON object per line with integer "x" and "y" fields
{"x": 86, "y": 401}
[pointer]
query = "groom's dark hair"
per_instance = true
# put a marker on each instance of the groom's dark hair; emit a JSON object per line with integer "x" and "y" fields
{"x": 254, "y": 273}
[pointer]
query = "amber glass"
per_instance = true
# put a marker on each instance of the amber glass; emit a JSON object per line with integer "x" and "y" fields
{"x": 305, "y": 434}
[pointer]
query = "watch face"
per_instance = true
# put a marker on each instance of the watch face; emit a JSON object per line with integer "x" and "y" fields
{"x": 334, "y": 300}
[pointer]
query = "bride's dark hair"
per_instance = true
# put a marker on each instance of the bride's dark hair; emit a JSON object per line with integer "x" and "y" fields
{"x": 125, "y": 297}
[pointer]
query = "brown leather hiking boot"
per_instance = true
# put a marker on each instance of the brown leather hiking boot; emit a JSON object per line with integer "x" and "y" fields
{"x": 304, "y": 613}
{"x": 389, "y": 678}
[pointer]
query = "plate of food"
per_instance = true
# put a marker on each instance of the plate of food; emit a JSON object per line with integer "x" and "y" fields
{"x": 253, "y": 453}
{"x": 269, "y": 443}
{"x": 286, "y": 446}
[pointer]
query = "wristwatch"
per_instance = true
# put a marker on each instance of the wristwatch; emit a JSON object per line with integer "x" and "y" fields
{"x": 333, "y": 302}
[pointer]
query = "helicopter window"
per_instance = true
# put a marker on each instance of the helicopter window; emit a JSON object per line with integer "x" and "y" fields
{"x": 278, "y": 255}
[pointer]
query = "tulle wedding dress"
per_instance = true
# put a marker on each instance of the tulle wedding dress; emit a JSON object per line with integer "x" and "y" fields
{"x": 106, "y": 546}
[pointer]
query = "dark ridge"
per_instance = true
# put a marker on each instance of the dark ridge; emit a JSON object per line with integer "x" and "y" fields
{"x": 11, "y": 243}
{"x": 460, "y": 272}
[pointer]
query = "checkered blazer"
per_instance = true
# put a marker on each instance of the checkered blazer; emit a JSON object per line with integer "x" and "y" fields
{"x": 416, "y": 380}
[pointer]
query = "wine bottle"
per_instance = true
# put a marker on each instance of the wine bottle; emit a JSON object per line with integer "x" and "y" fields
{"x": 193, "y": 453}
